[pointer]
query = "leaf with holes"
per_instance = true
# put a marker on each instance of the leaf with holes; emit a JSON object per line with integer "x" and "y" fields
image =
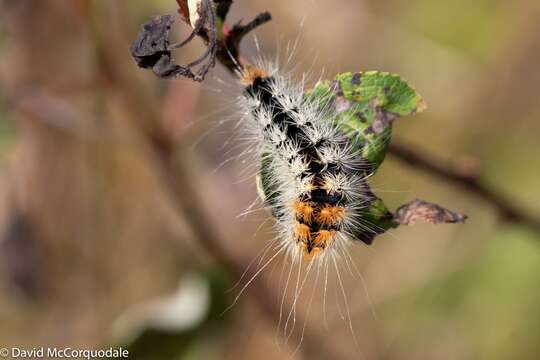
{"x": 366, "y": 104}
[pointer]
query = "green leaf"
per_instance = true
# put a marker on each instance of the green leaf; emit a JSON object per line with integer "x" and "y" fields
{"x": 7, "y": 132}
{"x": 266, "y": 187}
{"x": 366, "y": 104}
{"x": 377, "y": 218}
{"x": 379, "y": 215}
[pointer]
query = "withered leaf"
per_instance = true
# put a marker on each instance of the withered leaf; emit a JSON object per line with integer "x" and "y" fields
{"x": 151, "y": 48}
{"x": 431, "y": 213}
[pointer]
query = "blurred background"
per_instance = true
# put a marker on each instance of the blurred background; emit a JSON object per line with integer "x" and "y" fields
{"x": 120, "y": 216}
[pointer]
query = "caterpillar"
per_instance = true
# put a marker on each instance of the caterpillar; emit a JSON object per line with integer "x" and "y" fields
{"x": 312, "y": 178}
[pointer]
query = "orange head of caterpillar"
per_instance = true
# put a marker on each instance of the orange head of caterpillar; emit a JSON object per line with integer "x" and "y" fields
{"x": 250, "y": 73}
{"x": 316, "y": 226}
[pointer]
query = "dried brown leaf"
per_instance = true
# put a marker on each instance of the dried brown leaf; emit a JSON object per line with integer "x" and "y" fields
{"x": 431, "y": 213}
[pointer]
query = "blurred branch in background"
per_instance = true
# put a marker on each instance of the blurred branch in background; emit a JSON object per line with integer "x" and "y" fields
{"x": 80, "y": 179}
{"x": 466, "y": 178}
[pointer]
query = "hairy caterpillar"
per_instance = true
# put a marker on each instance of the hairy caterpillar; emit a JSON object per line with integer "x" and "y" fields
{"x": 312, "y": 177}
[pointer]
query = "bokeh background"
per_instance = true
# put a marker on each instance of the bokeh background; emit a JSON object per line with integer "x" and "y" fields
{"x": 120, "y": 214}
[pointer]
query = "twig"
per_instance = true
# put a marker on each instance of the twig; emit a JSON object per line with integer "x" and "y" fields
{"x": 228, "y": 43}
{"x": 229, "y": 50}
{"x": 470, "y": 182}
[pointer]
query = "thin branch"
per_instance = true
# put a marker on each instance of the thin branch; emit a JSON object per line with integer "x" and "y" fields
{"x": 470, "y": 182}
{"x": 229, "y": 50}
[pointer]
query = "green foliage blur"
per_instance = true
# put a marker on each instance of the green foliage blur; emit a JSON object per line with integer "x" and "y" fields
{"x": 6, "y": 132}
